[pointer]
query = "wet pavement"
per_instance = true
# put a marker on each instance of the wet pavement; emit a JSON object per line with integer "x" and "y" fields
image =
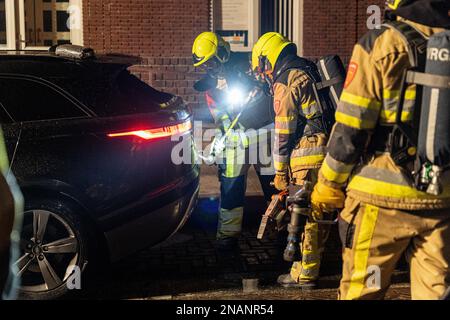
{"x": 188, "y": 267}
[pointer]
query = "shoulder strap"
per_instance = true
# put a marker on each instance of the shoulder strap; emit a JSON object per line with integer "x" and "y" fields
{"x": 297, "y": 65}
{"x": 415, "y": 41}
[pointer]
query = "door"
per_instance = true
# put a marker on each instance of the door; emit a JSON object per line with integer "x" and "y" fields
{"x": 46, "y": 22}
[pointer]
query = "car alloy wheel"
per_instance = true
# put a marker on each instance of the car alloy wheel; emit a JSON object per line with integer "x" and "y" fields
{"x": 49, "y": 251}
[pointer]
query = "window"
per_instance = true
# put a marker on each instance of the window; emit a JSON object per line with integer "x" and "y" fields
{"x": 39, "y": 23}
{"x": 2, "y": 23}
{"x": 285, "y": 17}
{"x": 25, "y": 100}
{"x": 7, "y": 27}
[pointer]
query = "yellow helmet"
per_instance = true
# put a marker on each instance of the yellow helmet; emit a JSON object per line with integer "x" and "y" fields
{"x": 394, "y": 4}
{"x": 269, "y": 48}
{"x": 209, "y": 45}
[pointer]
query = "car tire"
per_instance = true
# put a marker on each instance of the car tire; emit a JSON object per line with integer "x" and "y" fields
{"x": 54, "y": 249}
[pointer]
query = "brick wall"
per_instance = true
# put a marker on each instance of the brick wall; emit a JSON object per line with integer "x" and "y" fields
{"x": 333, "y": 26}
{"x": 161, "y": 32}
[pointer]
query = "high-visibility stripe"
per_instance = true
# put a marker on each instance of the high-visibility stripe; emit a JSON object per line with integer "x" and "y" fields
{"x": 3, "y": 155}
{"x": 385, "y": 189}
{"x": 395, "y": 94}
{"x": 310, "y": 108}
{"x": 387, "y": 183}
{"x": 280, "y": 166}
{"x": 230, "y": 162}
{"x": 335, "y": 172}
{"x": 308, "y": 160}
{"x": 304, "y": 152}
{"x": 364, "y": 114}
{"x": 361, "y": 252}
{"x": 287, "y": 125}
{"x": 285, "y": 119}
{"x": 360, "y": 101}
{"x": 308, "y": 104}
{"x": 354, "y": 122}
{"x": 391, "y": 116}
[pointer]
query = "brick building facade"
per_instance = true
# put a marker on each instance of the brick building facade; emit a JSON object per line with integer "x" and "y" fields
{"x": 161, "y": 33}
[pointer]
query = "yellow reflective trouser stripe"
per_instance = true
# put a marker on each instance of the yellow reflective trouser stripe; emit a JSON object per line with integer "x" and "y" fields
{"x": 310, "y": 265}
{"x": 360, "y": 101}
{"x": 361, "y": 252}
{"x": 3, "y": 155}
{"x": 332, "y": 174}
{"x": 354, "y": 122}
{"x": 230, "y": 163}
{"x": 307, "y": 160}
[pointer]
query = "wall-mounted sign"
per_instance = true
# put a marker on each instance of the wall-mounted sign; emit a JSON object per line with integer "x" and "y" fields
{"x": 237, "y": 21}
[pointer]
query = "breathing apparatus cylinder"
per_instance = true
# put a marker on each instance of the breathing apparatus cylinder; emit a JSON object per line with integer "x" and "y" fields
{"x": 434, "y": 130}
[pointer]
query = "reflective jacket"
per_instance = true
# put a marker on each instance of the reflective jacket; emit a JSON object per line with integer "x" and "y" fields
{"x": 300, "y": 141}
{"x": 369, "y": 100}
{"x": 11, "y": 210}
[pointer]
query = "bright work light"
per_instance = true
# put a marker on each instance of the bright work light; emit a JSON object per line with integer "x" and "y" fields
{"x": 236, "y": 97}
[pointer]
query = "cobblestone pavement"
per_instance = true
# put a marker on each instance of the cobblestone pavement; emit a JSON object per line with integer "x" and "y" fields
{"x": 187, "y": 266}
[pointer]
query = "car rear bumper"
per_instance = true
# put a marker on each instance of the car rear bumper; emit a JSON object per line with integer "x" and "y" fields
{"x": 158, "y": 224}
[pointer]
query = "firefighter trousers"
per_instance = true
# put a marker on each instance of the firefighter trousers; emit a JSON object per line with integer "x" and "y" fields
{"x": 313, "y": 238}
{"x": 233, "y": 172}
{"x": 374, "y": 240}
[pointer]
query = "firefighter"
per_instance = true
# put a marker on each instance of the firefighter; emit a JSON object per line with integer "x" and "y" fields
{"x": 300, "y": 139}
{"x": 384, "y": 215}
{"x": 224, "y": 70}
{"x": 10, "y": 206}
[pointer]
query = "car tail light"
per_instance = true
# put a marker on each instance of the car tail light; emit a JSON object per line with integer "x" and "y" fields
{"x": 155, "y": 133}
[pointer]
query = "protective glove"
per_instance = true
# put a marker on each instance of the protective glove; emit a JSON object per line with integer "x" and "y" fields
{"x": 281, "y": 181}
{"x": 326, "y": 199}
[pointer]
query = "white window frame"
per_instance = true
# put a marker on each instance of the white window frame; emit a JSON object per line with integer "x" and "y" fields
{"x": 10, "y": 26}
{"x": 17, "y": 42}
{"x": 254, "y": 22}
{"x": 298, "y": 25}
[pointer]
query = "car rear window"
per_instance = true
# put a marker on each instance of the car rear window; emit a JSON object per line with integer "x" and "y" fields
{"x": 27, "y": 100}
{"x": 132, "y": 95}
{"x": 111, "y": 90}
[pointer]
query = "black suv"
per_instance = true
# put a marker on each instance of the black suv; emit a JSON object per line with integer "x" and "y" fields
{"x": 96, "y": 153}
